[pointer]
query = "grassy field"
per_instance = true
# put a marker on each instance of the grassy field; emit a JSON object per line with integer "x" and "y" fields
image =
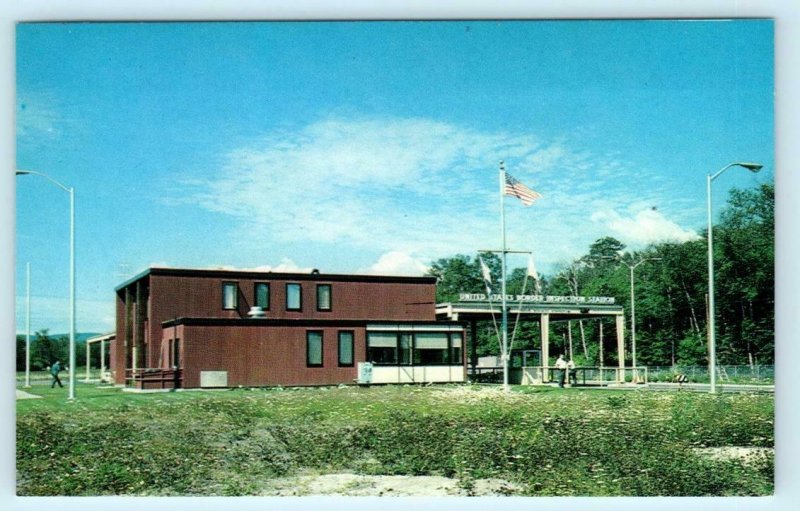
{"x": 542, "y": 441}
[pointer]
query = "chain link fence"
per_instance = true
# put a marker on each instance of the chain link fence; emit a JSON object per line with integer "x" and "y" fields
{"x": 759, "y": 374}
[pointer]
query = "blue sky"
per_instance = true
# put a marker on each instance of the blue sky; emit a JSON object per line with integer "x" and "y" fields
{"x": 370, "y": 147}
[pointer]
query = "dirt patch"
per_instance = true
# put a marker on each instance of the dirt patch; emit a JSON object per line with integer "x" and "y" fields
{"x": 21, "y": 394}
{"x": 747, "y": 454}
{"x": 475, "y": 395}
{"x": 354, "y": 485}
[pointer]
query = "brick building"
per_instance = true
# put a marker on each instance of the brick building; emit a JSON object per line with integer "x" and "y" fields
{"x": 219, "y": 328}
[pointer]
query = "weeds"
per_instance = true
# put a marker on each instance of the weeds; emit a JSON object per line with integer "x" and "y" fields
{"x": 547, "y": 443}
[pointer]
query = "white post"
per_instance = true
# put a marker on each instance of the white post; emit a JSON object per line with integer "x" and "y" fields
{"x": 601, "y": 352}
{"x": 71, "y": 191}
{"x": 27, "y": 325}
{"x": 72, "y": 294}
{"x": 620, "y": 319}
{"x": 633, "y": 325}
{"x": 102, "y": 359}
{"x": 712, "y": 330}
{"x": 712, "y": 349}
{"x": 544, "y": 327}
{"x": 87, "y": 362}
{"x": 504, "y": 349}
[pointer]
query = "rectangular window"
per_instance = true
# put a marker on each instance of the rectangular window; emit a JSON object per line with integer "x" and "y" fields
{"x": 314, "y": 349}
{"x": 456, "y": 349}
{"x": 230, "y": 295}
{"x": 431, "y": 348}
{"x": 345, "y": 349}
{"x": 176, "y": 354}
{"x": 294, "y": 301}
{"x": 323, "y": 297}
{"x": 261, "y": 298}
{"x": 405, "y": 349}
{"x": 382, "y": 348}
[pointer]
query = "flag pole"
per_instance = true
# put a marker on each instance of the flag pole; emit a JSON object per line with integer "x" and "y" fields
{"x": 504, "y": 351}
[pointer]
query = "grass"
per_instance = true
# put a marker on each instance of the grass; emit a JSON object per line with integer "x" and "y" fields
{"x": 546, "y": 441}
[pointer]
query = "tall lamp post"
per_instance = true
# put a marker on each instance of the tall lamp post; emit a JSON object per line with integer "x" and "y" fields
{"x": 71, "y": 192}
{"x": 28, "y": 325}
{"x": 632, "y": 267}
{"x": 712, "y": 348}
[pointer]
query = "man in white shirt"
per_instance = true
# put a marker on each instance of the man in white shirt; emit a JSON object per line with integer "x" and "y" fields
{"x": 561, "y": 367}
{"x": 573, "y": 373}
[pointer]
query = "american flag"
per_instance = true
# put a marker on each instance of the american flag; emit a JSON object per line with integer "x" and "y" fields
{"x": 520, "y": 191}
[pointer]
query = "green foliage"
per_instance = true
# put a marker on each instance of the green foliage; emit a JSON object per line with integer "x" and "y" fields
{"x": 592, "y": 443}
{"x": 670, "y": 292}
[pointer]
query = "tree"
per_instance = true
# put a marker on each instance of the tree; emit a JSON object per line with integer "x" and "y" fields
{"x": 462, "y": 274}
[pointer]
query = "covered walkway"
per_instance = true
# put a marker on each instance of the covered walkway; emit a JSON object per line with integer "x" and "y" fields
{"x": 543, "y": 311}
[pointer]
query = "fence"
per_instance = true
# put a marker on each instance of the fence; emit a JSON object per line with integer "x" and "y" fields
{"x": 764, "y": 374}
{"x": 759, "y": 374}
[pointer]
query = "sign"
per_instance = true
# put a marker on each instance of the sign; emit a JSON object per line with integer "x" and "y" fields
{"x": 480, "y": 297}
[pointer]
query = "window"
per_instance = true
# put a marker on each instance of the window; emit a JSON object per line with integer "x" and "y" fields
{"x": 431, "y": 348}
{"x": 382, "y": 348}
{"x": 323, "y": 297}
{"x": 314, "y": 349}
{"x": 345, "y": 349}
{"x": 230, "y": 295}
{"x": 405, "y": 349}
{"x": 294, "y": 301}
{"x": 455, "y": 349}
{"x": 176, "y": 353}
{"x": 261, "y": 298}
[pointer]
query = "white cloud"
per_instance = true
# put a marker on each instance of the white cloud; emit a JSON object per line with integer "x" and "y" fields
{"x": 646, "y": 226}
{"x": 396, "y": 263}
{"x": 423, "y": 188}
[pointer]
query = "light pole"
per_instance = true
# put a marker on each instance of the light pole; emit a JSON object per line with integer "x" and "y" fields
{"x": 633, "y": 310}
{"x": 632, "y": 266}
{"x": 712, "y": 334}
{"x": 28, "y": 325}
{"x": 71, "y": 192}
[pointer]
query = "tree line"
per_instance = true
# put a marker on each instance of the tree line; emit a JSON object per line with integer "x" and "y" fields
{"x": 671, "y": 290}
{"x": 46, "y": 349}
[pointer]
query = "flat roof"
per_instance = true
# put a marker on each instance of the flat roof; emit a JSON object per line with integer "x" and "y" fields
{"x": 196, "y": 321}
{"x": 460, "y": 311}
{"x": 270, "y": 275}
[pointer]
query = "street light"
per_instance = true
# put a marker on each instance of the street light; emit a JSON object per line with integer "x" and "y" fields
{"x": 71, "y": 192}
{"x": 712, "y": 348}
{"x": 27, "y": 325}
{"x": 632, "y": 267}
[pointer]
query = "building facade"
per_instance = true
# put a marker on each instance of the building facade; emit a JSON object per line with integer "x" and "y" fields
{"x": 217, "y": 328}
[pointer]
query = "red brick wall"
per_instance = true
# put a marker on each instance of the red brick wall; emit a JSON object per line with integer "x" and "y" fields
{"x": 257, "y": 356}
{"x": 173, "y": 296}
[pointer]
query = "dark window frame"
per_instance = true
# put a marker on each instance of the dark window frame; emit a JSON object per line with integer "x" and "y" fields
{"x": 352, "y": 347}
{"x": 299, "y": 297}
{"x": 330, "y": 297}
{"x": 451, "y": 348}
{"x": 235, "y": 285}
{"x": 397, "y": 350}
{"x": 255, "y": 294}
{"x": 321, "y": 348}
{"x": 176, "y": 353}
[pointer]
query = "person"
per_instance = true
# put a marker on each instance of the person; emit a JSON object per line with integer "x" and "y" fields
{"x": 573, "y": 373}
{"x": 561, "y": 367}
{"x": 54, "y": 370}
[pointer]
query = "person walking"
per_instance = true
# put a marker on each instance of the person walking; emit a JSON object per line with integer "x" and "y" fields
{"x": 561, "y": 367}
{"x": 573, "y": 373}
{"x": 54, "y": 370}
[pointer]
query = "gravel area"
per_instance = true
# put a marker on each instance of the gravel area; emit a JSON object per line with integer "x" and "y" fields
{"x": 356, "y": 485}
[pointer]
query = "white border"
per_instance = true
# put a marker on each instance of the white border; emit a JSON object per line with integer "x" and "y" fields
{"x": 786, "y": 14}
